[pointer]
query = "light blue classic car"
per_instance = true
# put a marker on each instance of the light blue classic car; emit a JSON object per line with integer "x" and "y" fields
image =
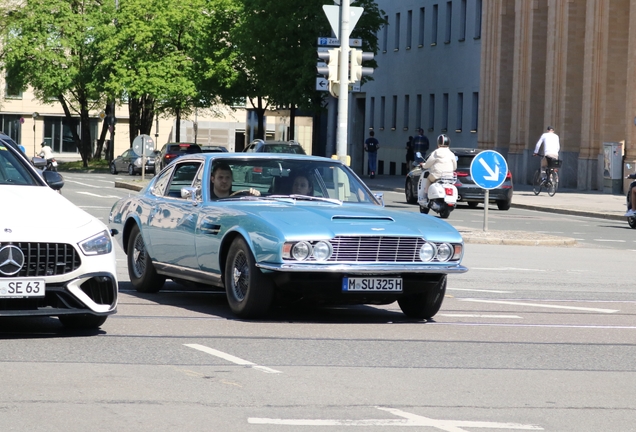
{"x": 268, "y": 226}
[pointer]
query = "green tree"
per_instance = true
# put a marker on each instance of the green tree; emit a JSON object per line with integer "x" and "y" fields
{"x": 277, "y": 42}
{"x": 51, "y": 46}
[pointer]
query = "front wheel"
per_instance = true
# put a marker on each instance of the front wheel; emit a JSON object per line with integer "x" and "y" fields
{"x": 554, "y": 183}
{"x": 536, "y": 183}
{"x": 249, "y": 292}
{"x": 143, "y": 276}
{"x": 424, "y": 305}
{"x": 411, "y": 198}
{"x": 504, "y": 204}
{"x": 632, "y": 222}
{"x": 131, "y": 170}
{"x": 113, "y": 168}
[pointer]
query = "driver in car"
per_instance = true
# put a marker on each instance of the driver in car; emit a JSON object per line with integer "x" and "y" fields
{"x": 221, "y": 183}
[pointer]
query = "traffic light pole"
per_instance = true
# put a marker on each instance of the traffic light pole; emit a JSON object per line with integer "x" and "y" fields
{"x": 343, "y": 98}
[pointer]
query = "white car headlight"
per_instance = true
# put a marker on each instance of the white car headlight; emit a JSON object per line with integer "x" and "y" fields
{"x": 322, "y": 251}
{"x": 301, "y": 251}
{"x": 427, "y": 252}
{"x": 444, "y": 252}
{"x": 99, "y": 244}
{"x": 137, "y": 162}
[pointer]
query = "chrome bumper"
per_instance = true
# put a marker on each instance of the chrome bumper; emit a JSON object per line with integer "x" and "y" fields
{"x": 363, "y": 268}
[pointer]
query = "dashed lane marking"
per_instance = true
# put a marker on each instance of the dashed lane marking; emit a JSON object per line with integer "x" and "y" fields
{"x": 231, "y": 358}
{"x": 541, "y": 305}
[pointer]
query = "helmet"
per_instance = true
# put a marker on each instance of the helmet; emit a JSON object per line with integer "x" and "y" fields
{"x": 443, "y": 140}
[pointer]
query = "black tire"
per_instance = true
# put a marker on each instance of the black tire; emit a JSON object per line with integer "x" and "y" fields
{"x": 536, "y": 183}
{"x": 553, "y": 183}
{"x": 472, "y": 204}
{"x": 131, "y": 170}
{"x": 445, "y": 213}
{"x": 632, "y": 222}
{"x": 424, "y": 210}
{"x": 424, "y": 305}
{"x": 82, "y": 321}
{"x": 249, "y": 292}
{"x": 143, "y": 275}
{"x": 113, "y": 168}
{"x": 411, "y": 198}
{"x": 504, "y": 204}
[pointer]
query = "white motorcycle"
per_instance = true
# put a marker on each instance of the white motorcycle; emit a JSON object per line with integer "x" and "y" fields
{"x": 442, "y": 194}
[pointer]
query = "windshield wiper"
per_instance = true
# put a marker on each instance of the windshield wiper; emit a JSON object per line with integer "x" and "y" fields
{"x": 304, "y": 198}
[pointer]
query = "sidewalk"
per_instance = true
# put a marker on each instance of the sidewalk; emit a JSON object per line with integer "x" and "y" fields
{"x": 566, "y": 201}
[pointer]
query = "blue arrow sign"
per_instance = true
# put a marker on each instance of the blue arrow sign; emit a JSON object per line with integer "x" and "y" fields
{"x": 488, "y": 169}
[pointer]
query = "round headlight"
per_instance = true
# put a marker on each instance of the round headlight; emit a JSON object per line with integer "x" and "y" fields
{"x": 444, "y": 252}
{"x": 322, "y": 251}
{"x": 301, "y": 251}
{"x": 427, "y": 252}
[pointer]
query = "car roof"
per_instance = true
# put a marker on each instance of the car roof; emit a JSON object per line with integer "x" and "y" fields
{"x": 249, "y": 156}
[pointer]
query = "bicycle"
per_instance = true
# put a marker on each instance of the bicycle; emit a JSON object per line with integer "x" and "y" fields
{"x": 551, "y": 180}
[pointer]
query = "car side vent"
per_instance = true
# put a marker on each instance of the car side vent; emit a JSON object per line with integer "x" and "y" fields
{"x": 362, "y": 218}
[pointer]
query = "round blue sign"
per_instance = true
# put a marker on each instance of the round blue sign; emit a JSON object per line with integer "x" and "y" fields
{"x": 488, "y": 169}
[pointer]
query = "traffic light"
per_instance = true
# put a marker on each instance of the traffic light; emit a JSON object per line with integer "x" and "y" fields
{"x": 356, "y": 70}
{"x": 331, "y": 71}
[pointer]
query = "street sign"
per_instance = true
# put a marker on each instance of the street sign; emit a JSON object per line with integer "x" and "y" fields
{"x": 335, "y": 42}
{"x": 333, "y": 16}
{"x": 322, "y": 84}
{"x": 488, "y": 169}
{"x": 143, "y": 145}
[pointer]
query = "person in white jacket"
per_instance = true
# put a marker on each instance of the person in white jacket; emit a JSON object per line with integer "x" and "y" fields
{"x": 442, "y": 162}
{"x": 551, "y": 147}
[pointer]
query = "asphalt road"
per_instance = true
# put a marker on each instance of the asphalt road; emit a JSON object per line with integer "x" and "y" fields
{"x": 531, "y": 338}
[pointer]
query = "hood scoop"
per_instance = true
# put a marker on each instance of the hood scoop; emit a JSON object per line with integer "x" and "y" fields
{"x": 347, "y": 218}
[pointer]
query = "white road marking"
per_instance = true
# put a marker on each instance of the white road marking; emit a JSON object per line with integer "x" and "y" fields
{"x": 478, "y": 316}
{"x": 83, "y": 184}
{"x": 609, "y": 240}
{"x": 98, "y": 196}
{"x": 507, "y": 269}
{"x": 231, "y": 358}
{"x": 408, "y": 420}
{"x": 541, "y": 305}
{"x": 480, "y": 290}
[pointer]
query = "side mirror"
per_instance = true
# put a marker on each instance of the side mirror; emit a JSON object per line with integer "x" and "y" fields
{"x": 53, "y": 178}
{"x": 418, "y": 155}
{"x": 189, "y": 193}
{"x": 380, "y": 197}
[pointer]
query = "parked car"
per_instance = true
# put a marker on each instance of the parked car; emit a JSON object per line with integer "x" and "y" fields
{"x": 55, "y": 259}
{"x": 261, "y": 146}
{"x": 213, "y": 149}
{"x": 130, "y": 162}
{"x": 467, "y": 190}
{"x": 335, "y": 243}
{"x": 172, "y": 151}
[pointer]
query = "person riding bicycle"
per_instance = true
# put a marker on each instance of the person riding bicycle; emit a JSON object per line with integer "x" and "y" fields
{"x": 551, "y": 148}
{"x": 442, "y": 161}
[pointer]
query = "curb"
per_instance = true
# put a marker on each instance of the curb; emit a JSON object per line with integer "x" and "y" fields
{"x": 127, "y": 185}
{"x": 570, "y": 212}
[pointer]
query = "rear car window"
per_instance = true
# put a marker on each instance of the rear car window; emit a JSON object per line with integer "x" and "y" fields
{"x": 463, "y": 162}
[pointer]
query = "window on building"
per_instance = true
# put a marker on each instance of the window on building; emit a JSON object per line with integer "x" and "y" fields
{"x": 418, "y": 111}
{"x": 396, "y": 47}
{"x": 475, "y": 111}
{"x": 394, "y": 113}
{"x": 409, "y": 29}
{"x": 477, "y": 19}
{"x": 460, "y": 112}
{"x": 434, "y": 26}
{"x": 372, "y": 113}
{"x": 449, "y": 21}
{"x": 431, "y": 112}
{"x": 462, "y": 20}
{"x": 385, "y": 35}
{"x": 58, "y": 133}
{"x": 382, "y": 111}
{"x": 445, "y": 113}
{"x": 10, "y": 125}
{"x": 11, "y": 91}
{"x": 420, "y": 36}
{"x": 406, "y": 112}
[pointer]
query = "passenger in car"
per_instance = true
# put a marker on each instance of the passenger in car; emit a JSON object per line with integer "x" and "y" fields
{"x": 302, "y": 185}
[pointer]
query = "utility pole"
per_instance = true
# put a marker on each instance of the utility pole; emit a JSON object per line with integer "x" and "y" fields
{"x": 343, "y": 98}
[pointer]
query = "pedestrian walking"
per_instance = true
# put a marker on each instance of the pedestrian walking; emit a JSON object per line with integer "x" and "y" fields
{"x": 420, "y": 143}
{"x": 371, "y": 146}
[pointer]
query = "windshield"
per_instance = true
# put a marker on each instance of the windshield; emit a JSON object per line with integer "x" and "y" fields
{"x": 287, "y": 177}
{"x": 13, "y": 170}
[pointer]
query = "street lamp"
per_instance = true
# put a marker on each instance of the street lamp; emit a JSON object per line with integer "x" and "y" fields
{"x": 35, "y": 116}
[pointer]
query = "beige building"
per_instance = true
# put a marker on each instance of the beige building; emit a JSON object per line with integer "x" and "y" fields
{"x": 570, "y": 64}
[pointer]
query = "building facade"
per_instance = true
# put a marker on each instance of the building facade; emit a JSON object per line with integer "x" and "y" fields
{"x": 567, "y": 64}
{"x": 427, "y": 76}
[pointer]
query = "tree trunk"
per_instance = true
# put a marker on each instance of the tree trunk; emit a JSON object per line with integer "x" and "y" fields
{"x": 177, "y": 132}
{"x": 260, "y": 115}
{"x": 292, "y": 121}
{"x": 99, "y": 148}
{"x": 134, "y": 115}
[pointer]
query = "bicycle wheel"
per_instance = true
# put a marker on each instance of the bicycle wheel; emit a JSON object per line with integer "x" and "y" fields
{"x": 536, "y": 182}
{"x": 554, "y": 183}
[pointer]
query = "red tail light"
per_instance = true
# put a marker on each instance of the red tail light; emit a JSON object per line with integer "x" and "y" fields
{"x": 449, "y": 191}
{"x": 509, "y": 175}
{"x": 462, "y": 174}
{"x": 170, "y": 156}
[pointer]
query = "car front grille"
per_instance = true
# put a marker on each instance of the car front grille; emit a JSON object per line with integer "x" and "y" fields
{"x": 376, "y": 249}
{"x": 46, "y": 259}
